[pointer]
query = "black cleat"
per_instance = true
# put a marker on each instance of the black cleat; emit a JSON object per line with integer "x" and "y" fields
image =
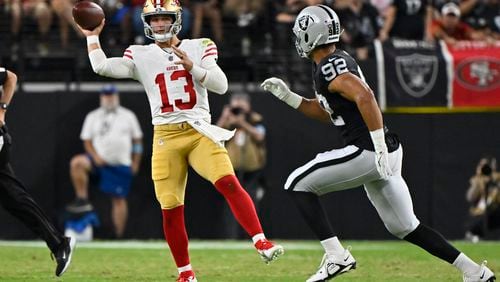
{"x": 63, "y": 255}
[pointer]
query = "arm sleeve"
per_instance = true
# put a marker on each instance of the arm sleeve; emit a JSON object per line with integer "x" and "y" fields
{"x": 112, "y": 67}
{"x": 215, "y": 80}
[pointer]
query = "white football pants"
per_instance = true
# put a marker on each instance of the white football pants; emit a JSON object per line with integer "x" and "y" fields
{"x": 351, "y": 167}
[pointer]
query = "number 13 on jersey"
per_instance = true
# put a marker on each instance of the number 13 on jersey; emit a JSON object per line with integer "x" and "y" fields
{"x": 163, "y": 80}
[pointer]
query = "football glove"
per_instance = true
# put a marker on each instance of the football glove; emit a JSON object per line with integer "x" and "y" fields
{"x": 279, "y": 89}
{"x": 381, "y": 153}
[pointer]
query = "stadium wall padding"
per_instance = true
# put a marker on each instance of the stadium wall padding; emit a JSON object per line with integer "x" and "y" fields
{"x": 441, "y": 151}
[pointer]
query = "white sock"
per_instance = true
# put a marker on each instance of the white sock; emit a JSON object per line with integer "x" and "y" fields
{"x": 184, "y": 268}
{"x": 258, "y": 237}
{"x": 465, "y": 264}
{"x": 332, "y": 246}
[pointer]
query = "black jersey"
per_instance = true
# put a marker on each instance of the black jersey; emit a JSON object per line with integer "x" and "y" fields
{"x": 344, "y": 113}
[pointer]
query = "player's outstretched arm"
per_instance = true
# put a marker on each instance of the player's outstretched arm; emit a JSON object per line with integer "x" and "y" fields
{"x": 309, "y": 107}
{"x": 111, "y": 67}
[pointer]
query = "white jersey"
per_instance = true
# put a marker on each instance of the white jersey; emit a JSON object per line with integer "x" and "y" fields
{"x": 111, "y": 134}
{"x": 174, "y": 95}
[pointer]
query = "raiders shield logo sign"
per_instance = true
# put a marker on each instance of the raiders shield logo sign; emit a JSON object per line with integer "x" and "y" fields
{"x": 417, "y": 73}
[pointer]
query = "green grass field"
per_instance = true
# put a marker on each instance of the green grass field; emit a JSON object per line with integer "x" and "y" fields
{"x": 220, "y": 261}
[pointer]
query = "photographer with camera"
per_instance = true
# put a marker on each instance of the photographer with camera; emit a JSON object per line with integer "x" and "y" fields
{"x": 246, "y": 149}
{"x": 484, "y": 196}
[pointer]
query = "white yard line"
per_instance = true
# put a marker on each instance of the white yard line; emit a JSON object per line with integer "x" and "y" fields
{"x": 195, "y": 245}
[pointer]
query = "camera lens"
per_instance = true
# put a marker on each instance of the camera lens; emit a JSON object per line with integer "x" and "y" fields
{"x": 236, "y": 111}
{"x": 486, "y": 170}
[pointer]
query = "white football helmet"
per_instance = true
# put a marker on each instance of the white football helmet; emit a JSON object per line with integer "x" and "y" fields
{"x": 171, "y": 8}
{"x": 315, "y": 26}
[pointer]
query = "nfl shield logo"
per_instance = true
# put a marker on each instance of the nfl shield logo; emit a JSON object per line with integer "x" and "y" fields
{"x": 417, "y": 73}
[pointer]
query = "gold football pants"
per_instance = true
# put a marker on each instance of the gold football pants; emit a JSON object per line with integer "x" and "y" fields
{"x": 174, "y": 147}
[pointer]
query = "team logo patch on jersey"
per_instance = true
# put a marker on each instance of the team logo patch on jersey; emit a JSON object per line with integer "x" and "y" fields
{"x": 304, "y": 22}
{"x": 207, "y": 42}
{"x": 417, "y": 73}
{"x": 481, "y": 74}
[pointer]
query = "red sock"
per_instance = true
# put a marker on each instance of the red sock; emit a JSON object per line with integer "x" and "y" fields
{"x": 240, "y": 203}
{"x": 176, "y": 235}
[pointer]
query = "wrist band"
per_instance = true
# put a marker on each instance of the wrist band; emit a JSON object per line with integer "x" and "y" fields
{"x": 137, "y": 148}
{"x": 378, "y": 139}
{"x": 293, "y": 100}
{"x": 92, "y": 39}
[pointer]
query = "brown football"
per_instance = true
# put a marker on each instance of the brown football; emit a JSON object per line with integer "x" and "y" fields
{"x": 88, "y": 14}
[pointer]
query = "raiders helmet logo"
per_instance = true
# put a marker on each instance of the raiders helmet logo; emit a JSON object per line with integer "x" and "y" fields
{"x": 304, "y": 22}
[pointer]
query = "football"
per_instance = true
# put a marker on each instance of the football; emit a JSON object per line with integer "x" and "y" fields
{"x": 87, "y": 14}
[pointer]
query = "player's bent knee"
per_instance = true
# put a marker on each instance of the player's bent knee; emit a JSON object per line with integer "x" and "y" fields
{"x": 169, "y": 201}
{"x": 400, "y": 230}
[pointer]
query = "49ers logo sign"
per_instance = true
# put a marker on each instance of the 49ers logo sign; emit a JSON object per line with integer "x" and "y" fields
{"x": 480, "y": 74}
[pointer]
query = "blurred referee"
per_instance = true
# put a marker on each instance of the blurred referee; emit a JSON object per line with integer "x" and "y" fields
{"x": 13, "y": 195}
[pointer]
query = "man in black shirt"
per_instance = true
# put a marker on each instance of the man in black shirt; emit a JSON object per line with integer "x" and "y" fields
{"x": 361, "y": 23}
{"x": 372, "y": 156}
{"x": 13, "y": 195}
{"x": 407, "y": 19}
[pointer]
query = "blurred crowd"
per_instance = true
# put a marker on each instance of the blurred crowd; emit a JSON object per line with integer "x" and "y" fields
{"x": 251, "y": 27}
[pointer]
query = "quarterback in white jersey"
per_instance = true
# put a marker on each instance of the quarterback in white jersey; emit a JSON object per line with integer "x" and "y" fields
{"x": 176, "y": 76}
{"x": 173, "y": 94}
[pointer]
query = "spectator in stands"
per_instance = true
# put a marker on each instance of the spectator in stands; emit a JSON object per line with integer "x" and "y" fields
{"x": 483, "y": 15}
{"x": 288, "y": 64}
{"x": 382, "y": 6}
{"x": 484, "y": 196}
{"x": 247, "y": 151}
{"x": 245, "y": 10}
{"x": 40, "y": 11}
{"x": 250, "y": 22}
{"x": 119, "y": 21}
{"x": 212, "y": 10}
{"x": 187, "y": 20}
{"x": 449, "y": 27}
{"x": 361, "y": 23}
{"x": 63, "y": 9}
{"x": 112, "y": 140}
{"x": 407, "y": 20}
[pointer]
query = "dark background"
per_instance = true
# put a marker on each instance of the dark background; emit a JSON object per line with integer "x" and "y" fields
{"x": 441, "y": 151}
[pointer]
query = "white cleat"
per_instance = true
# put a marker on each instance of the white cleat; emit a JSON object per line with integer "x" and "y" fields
{"x": 268, "y": 251}
{"x": 332, "y": 266}
{"x": 484, "y": 274}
